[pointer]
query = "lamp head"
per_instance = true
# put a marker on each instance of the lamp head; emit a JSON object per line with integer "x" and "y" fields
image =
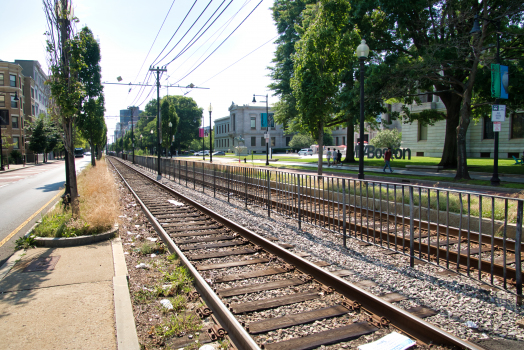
{"x": 254, "y": 99}
{"x": 16, "y": 96}
{"x": 363, "y": 50}
{"x": 210, "y": 109}
{"x": 476, "y": 26}
{"x": 151, "y": 131}
{"x": 170, "y": 124}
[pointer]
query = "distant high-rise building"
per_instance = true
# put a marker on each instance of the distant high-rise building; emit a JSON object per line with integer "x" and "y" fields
{"x": 125, "y": 115}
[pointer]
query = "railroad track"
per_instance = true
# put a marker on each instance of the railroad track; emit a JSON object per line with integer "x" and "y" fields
{"x": 255, "y": 285}
{"x": 462, "y": 248}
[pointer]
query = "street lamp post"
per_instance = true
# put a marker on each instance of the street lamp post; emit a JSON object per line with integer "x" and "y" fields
{"x": 210, "y": 109}
{"x": 203, "y": 137}
{"x": 495, "y": 181}
{"x": 268, "y": 137}
{"x": 170, "y": 151}
{"x": 362, "y": 54}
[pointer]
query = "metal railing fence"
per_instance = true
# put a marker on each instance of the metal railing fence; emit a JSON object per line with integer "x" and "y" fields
{"x": 471, "y": 233}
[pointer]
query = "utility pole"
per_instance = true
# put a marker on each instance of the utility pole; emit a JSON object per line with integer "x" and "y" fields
{"x": 158, "y": 123}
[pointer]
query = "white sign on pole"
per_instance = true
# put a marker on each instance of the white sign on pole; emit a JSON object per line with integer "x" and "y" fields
{"x": 497, "y": 126}
{"x": 266, "y": 136}
{"x": 498, "y": 113}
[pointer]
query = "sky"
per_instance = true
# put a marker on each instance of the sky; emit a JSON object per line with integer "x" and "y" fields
{"x": 126, "y": 31}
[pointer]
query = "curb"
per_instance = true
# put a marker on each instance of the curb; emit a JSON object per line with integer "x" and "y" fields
{"x": 8, "y": 265}
{"x": 126, "y": 335}
{"x": 56, "y": 242}
{"x": 31, "y": 166}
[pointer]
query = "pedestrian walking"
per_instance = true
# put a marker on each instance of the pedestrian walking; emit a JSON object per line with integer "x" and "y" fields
{"x": 387, "y": 158}
{"x": 339, "y": 157}
{"x": 328, "y": 156}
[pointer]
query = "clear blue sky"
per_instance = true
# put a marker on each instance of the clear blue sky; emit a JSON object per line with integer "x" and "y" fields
{"x": 127, "y": 29}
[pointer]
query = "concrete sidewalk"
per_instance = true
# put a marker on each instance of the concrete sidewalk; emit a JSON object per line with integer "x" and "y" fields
{"x": 70, "y": 302}
{"x": 14, "y": 167}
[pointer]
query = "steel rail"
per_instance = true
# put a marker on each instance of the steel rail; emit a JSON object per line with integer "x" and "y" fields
{"x": 236, "y": 332}
{"x": 400, "y": 319}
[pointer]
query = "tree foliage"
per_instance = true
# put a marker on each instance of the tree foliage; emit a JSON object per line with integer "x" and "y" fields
{"x": 300, "y": 141}
{"x": 387, "y": 138}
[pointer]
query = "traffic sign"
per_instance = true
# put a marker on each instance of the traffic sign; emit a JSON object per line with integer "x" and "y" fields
{"x": 498, "y": 113}
{"x": 497, "y": 126}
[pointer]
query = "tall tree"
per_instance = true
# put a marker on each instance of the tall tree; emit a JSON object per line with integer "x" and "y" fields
{"x": 429, "y": 44}
{"x": 169, "y": 115}
{"x": 91, "y": 119}
{"x": 65, "y": 56}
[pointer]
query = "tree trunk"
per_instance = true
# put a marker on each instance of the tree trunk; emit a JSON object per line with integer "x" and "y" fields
{"x": 350, "y": 145}
{"x": 75, "y": 205}
{"x": 465, "y": 119}
{"x": 449, "y": 153}
{"x": 320, "y": 147}
{"x": 93, "y": 162}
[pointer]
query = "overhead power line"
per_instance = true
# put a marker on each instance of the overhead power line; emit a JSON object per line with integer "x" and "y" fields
{"x": 156, "y": 37}
{"x": 187, "y": 14}
{"x": 221, "y": 42}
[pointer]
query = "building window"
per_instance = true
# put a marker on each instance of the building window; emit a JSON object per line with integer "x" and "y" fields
{"x": 273, "y": 142}
{"x": 14, "y": 104}
{"x": 343, "y": 140}
{"x": 234, "y": 122}
{"x": 336, "y": 140}
{"x": 253, "y": 122}
{"x": 262, "y": 141}
{"x": 12, "y": 80}
{"x": 288, "y": 140}
{"x": 1, "y": 78}
{"x": 32, "y": 92}
{"x": 16, "y": 141}
{"x": 488, "y": 129}
{"x": 37, "y": 111}
{"x": 14, "y": 122}
{"x": 227, "y": 127}
{"x": 422, "y": 132}
{"x": 253, "y": 141}
{"x": 2, "y": 101}
{"x": 517, "y": 126}
{"x": 32, "y": 110}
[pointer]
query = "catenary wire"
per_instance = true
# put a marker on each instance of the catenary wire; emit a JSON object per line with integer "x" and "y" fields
{"x": 232, "y": 64}
{"x": 180, "y": 25}
{"x": 156, "y": 37}
{"x": 187, "y": 31}
{"x": 220, "y": 43}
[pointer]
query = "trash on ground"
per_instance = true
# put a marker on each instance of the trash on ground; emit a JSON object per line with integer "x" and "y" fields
{"x": 471, "y": 324}
{"x": 167, "y": 304}
{"x": 153, "y": 255}
{"x": 392, "y": 341}
{"x": 178, "y": 204}
{"x": 141, "y": 266}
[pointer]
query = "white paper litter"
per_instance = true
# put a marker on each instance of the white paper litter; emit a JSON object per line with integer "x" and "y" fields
{"x": 153, "y": 255}
{"x": 207, "y": 347}
{"x": 392, "y": 341}
{"x": 178, "y": 204}
{"x": 471, "y": 324}
{"x": 141, "y": 266}
{"x": 137, "y": 226}
{"x": 152, "y": 239}
{"x": 130, "y": 233}
{"x": 167, "y": 304}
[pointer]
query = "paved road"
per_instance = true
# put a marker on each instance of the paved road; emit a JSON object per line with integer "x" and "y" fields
{"x": 24, "y": 192}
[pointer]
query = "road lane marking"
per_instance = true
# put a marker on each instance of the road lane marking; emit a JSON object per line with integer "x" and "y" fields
{"x": 9, "y": 236}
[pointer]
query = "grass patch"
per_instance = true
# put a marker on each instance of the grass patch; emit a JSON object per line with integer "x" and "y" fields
{"x": 25, "y": 242}
{"x": 179, "y": 324}
{"x": 99, "y": 208}
{"x": 181, "y": 280}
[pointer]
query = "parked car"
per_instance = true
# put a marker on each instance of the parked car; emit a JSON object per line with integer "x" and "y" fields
{"x": 219, "y": 153}
{"x": 305, "y": 152}
{"x": 199, "y": 153}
